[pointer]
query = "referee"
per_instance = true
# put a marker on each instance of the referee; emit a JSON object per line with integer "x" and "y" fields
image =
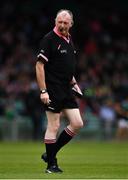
{"x": 55, "y": 68}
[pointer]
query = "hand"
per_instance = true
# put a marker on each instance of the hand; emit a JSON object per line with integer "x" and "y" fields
{"x": 45, "y": 98}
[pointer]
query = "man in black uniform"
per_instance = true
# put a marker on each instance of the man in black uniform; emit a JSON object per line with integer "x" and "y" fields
{"x": 55, "y": 70}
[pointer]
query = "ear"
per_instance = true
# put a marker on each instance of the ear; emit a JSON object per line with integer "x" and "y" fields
{"x": 72, "y": 24}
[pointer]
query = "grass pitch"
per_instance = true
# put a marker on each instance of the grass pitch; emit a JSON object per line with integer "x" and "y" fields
{"x": 79, "y": 160}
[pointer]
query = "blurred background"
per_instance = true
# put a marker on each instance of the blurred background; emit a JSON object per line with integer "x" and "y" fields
{"x": 100, "y": 35}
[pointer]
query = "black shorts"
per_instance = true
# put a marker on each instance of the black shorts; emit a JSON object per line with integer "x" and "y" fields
{"x": 61, "y": 98}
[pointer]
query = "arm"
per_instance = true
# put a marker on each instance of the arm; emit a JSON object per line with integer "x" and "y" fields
{"x": 40, "y": 75}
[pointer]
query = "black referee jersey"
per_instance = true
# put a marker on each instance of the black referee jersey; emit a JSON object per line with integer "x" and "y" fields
{"x": 59, "y": 58}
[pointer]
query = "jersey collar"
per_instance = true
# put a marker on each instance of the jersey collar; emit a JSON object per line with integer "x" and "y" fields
{"x": 60, "y": 35}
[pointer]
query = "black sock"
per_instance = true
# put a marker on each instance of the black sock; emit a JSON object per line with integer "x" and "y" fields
{"x": 50, "y": 145}
{"x": 63, "y": 139}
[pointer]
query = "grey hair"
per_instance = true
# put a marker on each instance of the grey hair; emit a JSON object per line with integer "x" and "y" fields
{"x": 68, "y": 11}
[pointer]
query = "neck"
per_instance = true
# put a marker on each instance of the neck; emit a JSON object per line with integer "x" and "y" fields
{"x": 60, "y": 34}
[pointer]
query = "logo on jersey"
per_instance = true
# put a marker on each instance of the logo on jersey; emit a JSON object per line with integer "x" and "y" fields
{"x": 63, "y": 51}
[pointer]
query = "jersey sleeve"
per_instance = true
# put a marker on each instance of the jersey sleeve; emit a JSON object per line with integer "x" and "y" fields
{"x": 44, "y": 50}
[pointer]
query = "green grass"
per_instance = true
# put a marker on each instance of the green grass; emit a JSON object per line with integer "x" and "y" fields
{"x": 79, "y": 160}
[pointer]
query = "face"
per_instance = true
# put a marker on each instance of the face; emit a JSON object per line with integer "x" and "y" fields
{"x": 63, "y": 23}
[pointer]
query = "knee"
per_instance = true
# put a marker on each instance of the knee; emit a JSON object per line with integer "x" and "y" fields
{"x": 53, "y": 127}
{"x": 77, "y": 125}
{"x": 80, "y": 125}
{"x": 56, "y": 127}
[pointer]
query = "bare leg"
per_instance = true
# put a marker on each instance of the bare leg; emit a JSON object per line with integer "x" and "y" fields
{"x": 75, "y": 124}
{"x": 52, "y": 125}
{"x": 50, "y": 136}
{"x": 75, "y": 120}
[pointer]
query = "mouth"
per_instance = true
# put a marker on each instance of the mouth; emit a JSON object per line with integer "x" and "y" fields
{"x": 62, "y": 29}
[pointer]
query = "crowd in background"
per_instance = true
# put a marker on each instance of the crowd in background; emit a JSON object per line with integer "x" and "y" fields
{"x": 101, "y": 40}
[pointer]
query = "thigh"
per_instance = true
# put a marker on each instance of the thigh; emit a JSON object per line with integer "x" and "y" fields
{"x": 73, "y": 116}
{"x": 53, "y": 118}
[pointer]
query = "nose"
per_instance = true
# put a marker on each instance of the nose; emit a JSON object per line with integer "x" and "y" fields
{"x": 62, "y": 25}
